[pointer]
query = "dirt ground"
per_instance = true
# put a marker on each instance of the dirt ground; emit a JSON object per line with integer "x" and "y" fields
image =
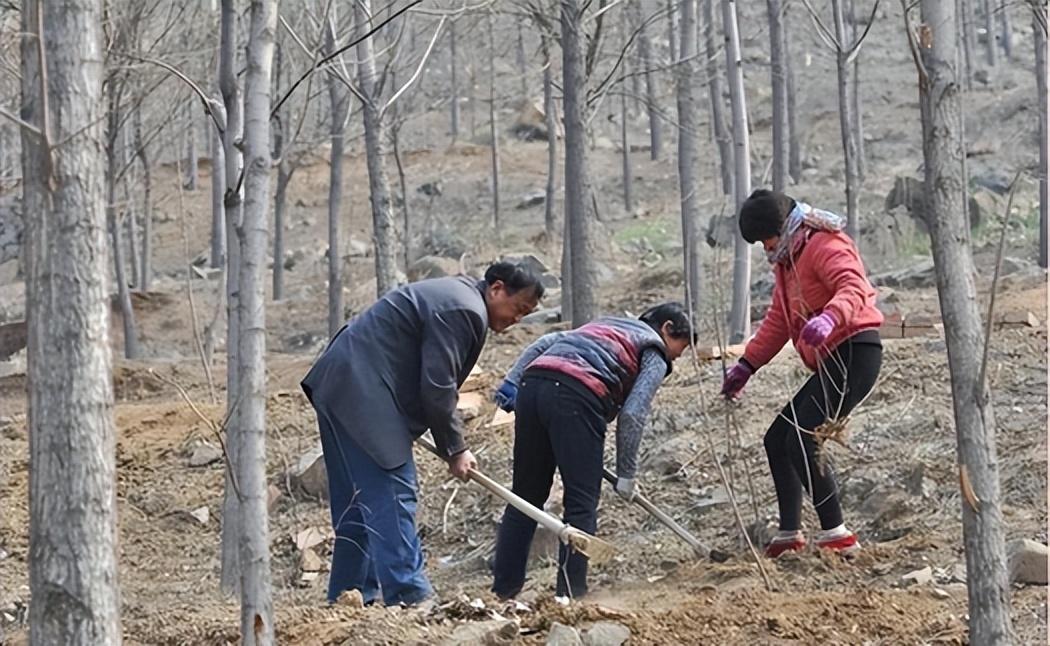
{"x": 898, "y": 476}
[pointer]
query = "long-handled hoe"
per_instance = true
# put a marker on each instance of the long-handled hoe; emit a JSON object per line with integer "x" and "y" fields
{"x": 594, "y": 548}
{"x": 701, "y": 550}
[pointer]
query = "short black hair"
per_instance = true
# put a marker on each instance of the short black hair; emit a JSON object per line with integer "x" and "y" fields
{"x": 675, "y": 312}
{"x": 763, "y": 213}
{"x": 515, "y": 276}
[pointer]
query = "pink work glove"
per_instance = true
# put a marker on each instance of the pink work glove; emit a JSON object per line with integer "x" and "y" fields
{"x": 817, "y": 329}
{"x": 735, "y": 379}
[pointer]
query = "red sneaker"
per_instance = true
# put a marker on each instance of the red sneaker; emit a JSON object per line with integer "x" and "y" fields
{"x": 845, "y": 545}
{"x": 778, "y": 546}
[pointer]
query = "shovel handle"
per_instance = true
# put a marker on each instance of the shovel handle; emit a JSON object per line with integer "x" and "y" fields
{"x": 548, "y": 521}
{"x": 683, "y": 533}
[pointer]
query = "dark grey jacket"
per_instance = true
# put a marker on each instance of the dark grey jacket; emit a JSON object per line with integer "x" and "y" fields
{"x": 395, "y": 370}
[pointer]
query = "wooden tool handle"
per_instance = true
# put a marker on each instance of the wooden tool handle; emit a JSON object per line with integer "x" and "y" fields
{"x": 543, "y": 518}
{"x": 671, "y": 523}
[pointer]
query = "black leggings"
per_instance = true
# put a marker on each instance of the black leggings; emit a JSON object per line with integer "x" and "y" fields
{"x": 555, "y": 426}
{"x": 851, "y": 369}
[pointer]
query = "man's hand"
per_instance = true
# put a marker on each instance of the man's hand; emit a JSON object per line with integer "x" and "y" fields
{"x": 625, "y": 487}
{"x": 460, "y": 464}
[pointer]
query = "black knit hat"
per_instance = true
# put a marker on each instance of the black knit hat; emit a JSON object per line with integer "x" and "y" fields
{"x": 763, "y": 213}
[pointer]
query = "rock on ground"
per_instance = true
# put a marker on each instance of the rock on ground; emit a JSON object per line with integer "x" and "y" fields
{"x": 490, "y": 633}
{"x": 562, "y": 635}
{"x": 1027, "y": 561}
{"x": 606, "y": 633}
{"x": 432, "y": 267}
{"x": 309, "y": 475}
{"x": 205, "y": 454}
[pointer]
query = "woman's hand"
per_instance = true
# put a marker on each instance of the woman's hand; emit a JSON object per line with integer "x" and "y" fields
{"x": 506, "y": 396}
{"x": 818, "y": 329}
{"x": 735, "y": 379}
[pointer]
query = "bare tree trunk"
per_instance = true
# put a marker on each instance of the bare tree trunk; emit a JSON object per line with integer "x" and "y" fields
{"x": 566, "y": 270}
{"x": 1039, "y": 33}
{"x": 146, "y": 269}
{"x": 340, "y": 104}
{"x": 943, "y": 151}
{"x": 192, "y": 159}
{"x": 794, "y": 147}
{"x": 257, "y": 627}
{"x": 383, "y": 225}
{"x": 858, "y": 115}
{"x": 1006, "y": 30}
{"x": 472, "y": 99}
{"x": 990, "y": 51}
{"x": 672, "y": 32}
{"x": 454, "y": 84}
{"x": 130, "y": 215}
{"x": 549, "y": 221}
{"x": 230, "y": 579}
{"x": 714, "y": 90}
{"x": 284, "y": 176}
{"x": 73, "y": 575}
{"x": 740, "y": 310}
{"x": 628, "y": 200}
{"x": 688, "y": 188}
{"x": 645, "y": 54}
{"x": 127, "y": 312}
{"x": 218, "y": 190}
{"x": 280, "y": 202}
{"x": 969, "y": 31}
{"x": 846, "y": 119}
{"x": 778, "y": 78}
{"x": 630, "y": 67}
{"x": 519, "y": 55}
{"x": 578, "y": 205}
{"x": 493, "y": 131}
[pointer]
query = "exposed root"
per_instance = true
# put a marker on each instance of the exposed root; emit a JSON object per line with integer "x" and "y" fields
{"x": 834, "y": 430}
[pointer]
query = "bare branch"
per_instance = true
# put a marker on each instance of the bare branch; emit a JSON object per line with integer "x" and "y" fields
{"x": 454, "y": 13}
{"x": 822, "y": 31}
{"x": 1039, "y": 10}
{"x": 602, "y": 87}
{"x": 333, "y": 69}
{"x": 995, "y": 282}
{"x": 20, "y": 123}
{"x": 339, "y": 51}
{"x": 419, "y": 70}
{"x": 913, "y": 45}
{"x": 45, "y": 119}
{"x": 854, "y": 49}
{"x": 213, "y": 108}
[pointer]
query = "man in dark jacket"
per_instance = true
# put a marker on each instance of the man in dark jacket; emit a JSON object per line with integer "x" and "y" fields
{"x": 384, "y": 379}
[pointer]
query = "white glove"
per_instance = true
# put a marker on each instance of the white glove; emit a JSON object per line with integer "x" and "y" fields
{"x": 625, "y": 487}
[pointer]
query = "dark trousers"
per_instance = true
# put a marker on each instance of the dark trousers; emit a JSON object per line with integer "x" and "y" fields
{"x": 377, "y": 548}
{"x": 845, "y": 377}
{"x": 555, "y": 426}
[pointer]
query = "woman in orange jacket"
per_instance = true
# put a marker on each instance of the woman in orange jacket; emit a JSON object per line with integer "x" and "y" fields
{"x": 824, "y": 304}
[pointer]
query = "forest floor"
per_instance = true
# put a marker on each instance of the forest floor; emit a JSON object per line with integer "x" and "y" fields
{"x": 898, "y": 476}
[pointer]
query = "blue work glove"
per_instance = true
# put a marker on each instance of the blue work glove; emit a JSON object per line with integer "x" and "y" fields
{"x": 506, "y": 396}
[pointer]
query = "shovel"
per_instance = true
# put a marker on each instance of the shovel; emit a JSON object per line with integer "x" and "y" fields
{"x": 702, "y": 551}
{"x": 592, "y": 547}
